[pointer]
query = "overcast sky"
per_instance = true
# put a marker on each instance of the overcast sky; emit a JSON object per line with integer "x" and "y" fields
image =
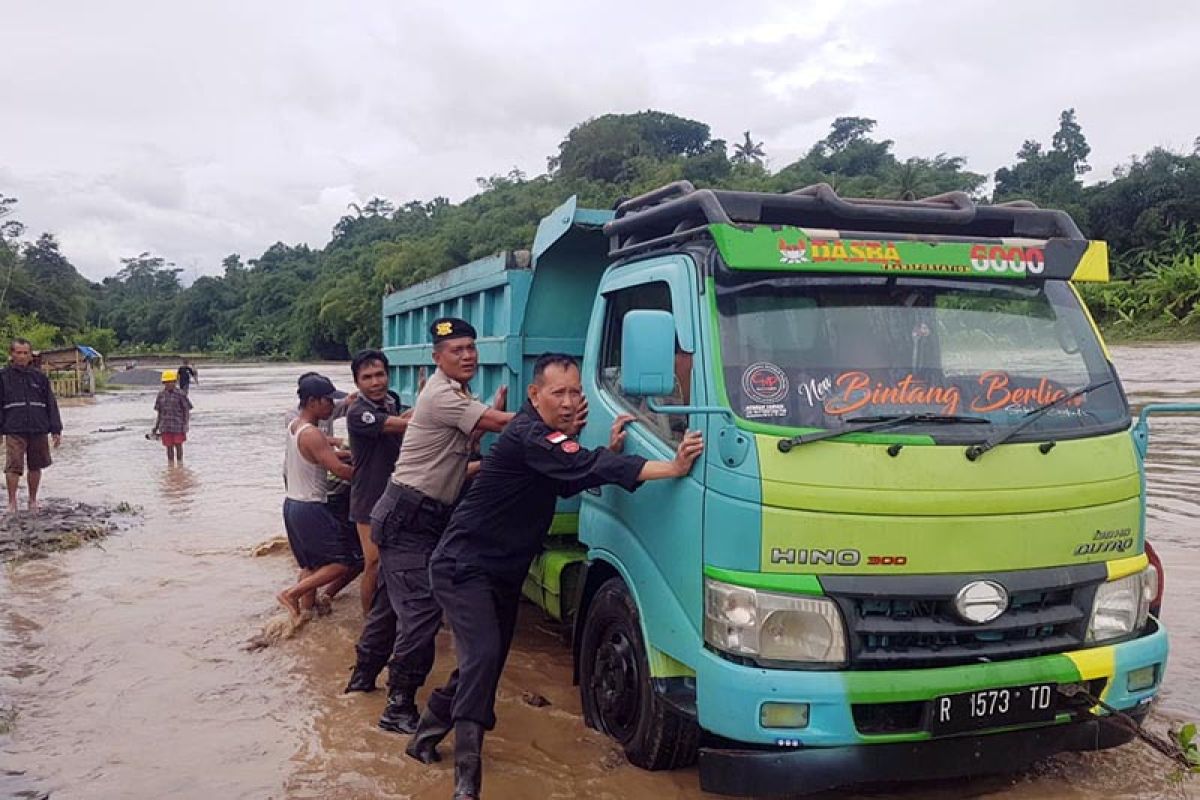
{"x": 200, "y": 129}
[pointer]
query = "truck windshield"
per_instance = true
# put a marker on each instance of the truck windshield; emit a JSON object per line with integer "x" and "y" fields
{"x": 819, "y": 352}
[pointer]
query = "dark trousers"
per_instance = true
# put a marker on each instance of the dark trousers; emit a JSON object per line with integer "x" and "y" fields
{"x": 418, "y": 617}
{"x": 482, "y": 609}
{"x": 407, "y": 525}
{"x": 378, "y": 635}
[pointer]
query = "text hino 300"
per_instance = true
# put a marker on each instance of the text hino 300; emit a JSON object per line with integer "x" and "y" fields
{"x": 915, "y": 544}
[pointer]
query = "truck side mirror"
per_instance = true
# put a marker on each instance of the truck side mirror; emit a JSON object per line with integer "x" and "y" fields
{"x": 648, "y": 353}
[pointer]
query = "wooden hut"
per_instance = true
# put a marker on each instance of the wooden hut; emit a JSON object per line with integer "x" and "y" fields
{"x": 71, "y": 369}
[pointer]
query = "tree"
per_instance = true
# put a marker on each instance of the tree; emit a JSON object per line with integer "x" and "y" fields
{"x": 139, "y": 300}
{"x": 602, "y": 148}
{"x": 378, "y": 207}
{"x": 202, "y": 312}
{"x": 58, "y": 294}
{"x": 748, "y": 151}
{"x": 1050, "y": 177}
{"x": 41, "y": 334}
{"x": 847, "y": 158}
{"x": 711, "y": 167}
{"x": 1071, "y": 143}
{"x": 846, "y": 131}
{"x": 10, "y": 229}
{"x": 1149, "y": 213}
{"x": 916, "y": 177}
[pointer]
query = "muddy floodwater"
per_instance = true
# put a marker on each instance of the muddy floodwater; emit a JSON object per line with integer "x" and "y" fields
{"x": 122, "y": 673}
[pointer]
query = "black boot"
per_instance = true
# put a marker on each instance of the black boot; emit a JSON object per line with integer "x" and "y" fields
{"x": 468, "y": 760}
{"x": 362, "y": 679}
{"x": 430, "y": 732}
{"x": 401, "y": 715}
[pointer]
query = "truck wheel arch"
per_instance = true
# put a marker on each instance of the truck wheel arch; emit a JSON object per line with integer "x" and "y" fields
{"x": 596, "y": 571}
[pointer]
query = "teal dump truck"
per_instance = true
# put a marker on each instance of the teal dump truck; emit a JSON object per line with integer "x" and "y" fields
{"x": 915, "y": 544}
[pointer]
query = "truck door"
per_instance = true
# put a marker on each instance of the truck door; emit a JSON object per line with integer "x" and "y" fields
{"x": 656, "y": 532}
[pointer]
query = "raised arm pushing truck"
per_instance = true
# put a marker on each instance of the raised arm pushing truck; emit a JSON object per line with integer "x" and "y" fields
{"x": 915, "y": 544}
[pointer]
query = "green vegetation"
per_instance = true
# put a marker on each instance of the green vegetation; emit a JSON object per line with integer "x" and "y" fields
{"x": 8, "y": 719}
{"x": 1162, "y": 303}
{"x": 300, "y": 302}
{"x": 1185, "y": 738}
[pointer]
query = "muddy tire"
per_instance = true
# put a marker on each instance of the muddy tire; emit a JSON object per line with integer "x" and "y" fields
{"x": 614, "y": 682}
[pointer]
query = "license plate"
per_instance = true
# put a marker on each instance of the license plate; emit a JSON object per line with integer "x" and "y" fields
{"x": 992, "y": 708}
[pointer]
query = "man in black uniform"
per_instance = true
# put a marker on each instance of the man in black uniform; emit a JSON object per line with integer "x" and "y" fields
{"x": 492, "y": 538}
{"x": 408, "y": 520}
{"x": 376, "y": 430}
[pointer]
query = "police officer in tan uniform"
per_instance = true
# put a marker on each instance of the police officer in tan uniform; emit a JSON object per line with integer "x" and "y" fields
{"x": 408, "y": 520}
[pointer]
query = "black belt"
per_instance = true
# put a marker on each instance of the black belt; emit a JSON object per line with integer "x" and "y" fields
{"x": 416, "y": 499}
{"x": 414, "y": 521}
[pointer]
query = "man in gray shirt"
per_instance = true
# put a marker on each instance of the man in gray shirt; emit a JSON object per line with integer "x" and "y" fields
{"x": 408, "y": 520}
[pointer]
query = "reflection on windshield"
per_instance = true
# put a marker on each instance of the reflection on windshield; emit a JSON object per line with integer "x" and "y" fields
{"x": 808, "y": 352}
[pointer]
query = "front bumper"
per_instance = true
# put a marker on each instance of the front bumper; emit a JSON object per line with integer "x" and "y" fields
{"x": 771, "y": 760}
{"x": 758, "y": 773}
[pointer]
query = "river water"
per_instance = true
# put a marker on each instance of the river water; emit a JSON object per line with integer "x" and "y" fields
{"x": 125, "y": 661}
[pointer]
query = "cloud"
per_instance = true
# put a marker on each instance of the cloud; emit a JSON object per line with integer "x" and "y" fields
{"x": 193, "y": 131}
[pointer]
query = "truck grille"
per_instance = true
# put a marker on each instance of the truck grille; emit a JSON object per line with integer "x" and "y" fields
{"x": 901, "y": 622}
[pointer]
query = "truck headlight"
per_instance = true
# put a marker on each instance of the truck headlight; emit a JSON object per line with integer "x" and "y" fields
{"x": 1121, "y": 607}
{"x": 772, "y": 626}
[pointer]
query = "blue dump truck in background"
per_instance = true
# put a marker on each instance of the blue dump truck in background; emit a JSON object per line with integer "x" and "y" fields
{"x": 915, "y": 545}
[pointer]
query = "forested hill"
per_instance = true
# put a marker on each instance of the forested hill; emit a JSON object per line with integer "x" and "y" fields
{"x": 296, "y": 301}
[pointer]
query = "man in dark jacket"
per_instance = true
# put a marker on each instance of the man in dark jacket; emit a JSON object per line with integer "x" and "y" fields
{"x": 29, "y": 419}
{"x": 478, "y": 567}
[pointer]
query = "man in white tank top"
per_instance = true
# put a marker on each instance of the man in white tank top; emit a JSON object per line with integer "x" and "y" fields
{"x": 314, "y": 533}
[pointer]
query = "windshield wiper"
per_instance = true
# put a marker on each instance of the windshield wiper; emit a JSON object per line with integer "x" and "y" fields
{"x": 864, "y": 424}
{"x": 1031, "y": 416}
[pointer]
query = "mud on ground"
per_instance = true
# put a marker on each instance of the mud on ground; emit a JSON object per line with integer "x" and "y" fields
{"x": 59, "y": 525}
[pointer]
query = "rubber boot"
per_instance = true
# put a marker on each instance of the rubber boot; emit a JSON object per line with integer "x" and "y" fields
{"x": 401, "y": 715}
{"x": 468, "y": 760}
{"x": 362, "y": 679}
{"x": 430, "y": 732}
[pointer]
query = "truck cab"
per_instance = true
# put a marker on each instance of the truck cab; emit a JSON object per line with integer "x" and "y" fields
{"x": 914, "y": 545}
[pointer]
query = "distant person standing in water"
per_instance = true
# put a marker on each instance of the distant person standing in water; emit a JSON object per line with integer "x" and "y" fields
{"x": 187, "y": 373}
{"x": 30, "y": 421}
{"x": 174, "y": 414}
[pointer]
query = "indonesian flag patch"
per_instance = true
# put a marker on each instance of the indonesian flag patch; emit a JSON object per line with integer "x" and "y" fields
{"x": 558, "y": 437}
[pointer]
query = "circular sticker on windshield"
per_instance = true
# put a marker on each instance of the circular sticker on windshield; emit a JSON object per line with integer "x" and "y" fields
{"x": 765, "y": 383}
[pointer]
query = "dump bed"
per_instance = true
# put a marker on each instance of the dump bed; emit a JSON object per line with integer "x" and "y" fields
{"x": 522, "y": 305}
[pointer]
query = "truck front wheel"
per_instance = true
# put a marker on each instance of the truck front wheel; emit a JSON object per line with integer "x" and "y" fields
{"x": 614, "y": 681}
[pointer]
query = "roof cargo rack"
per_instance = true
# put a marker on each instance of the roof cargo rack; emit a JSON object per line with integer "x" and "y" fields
{"x": 679, "y": 211}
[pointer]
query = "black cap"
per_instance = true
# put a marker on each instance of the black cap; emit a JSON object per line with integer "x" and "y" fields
{"x": 312, "y": 384}
{"x": 445, "y": 328}
{"x": 338, "y": 394}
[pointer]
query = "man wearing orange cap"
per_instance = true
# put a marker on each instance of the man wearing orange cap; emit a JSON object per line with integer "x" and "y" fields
{"x": 174, "y": 413}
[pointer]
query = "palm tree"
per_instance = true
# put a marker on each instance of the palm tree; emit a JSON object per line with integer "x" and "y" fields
{"x": 748, "y": 151}
{"x": 909, "y": 179}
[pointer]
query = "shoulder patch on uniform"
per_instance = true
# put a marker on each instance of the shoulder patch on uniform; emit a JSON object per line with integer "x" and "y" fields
{"x": 368, "y": 418}
{"x": 570, "y": 447}
{"x": 556, "y": 437}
